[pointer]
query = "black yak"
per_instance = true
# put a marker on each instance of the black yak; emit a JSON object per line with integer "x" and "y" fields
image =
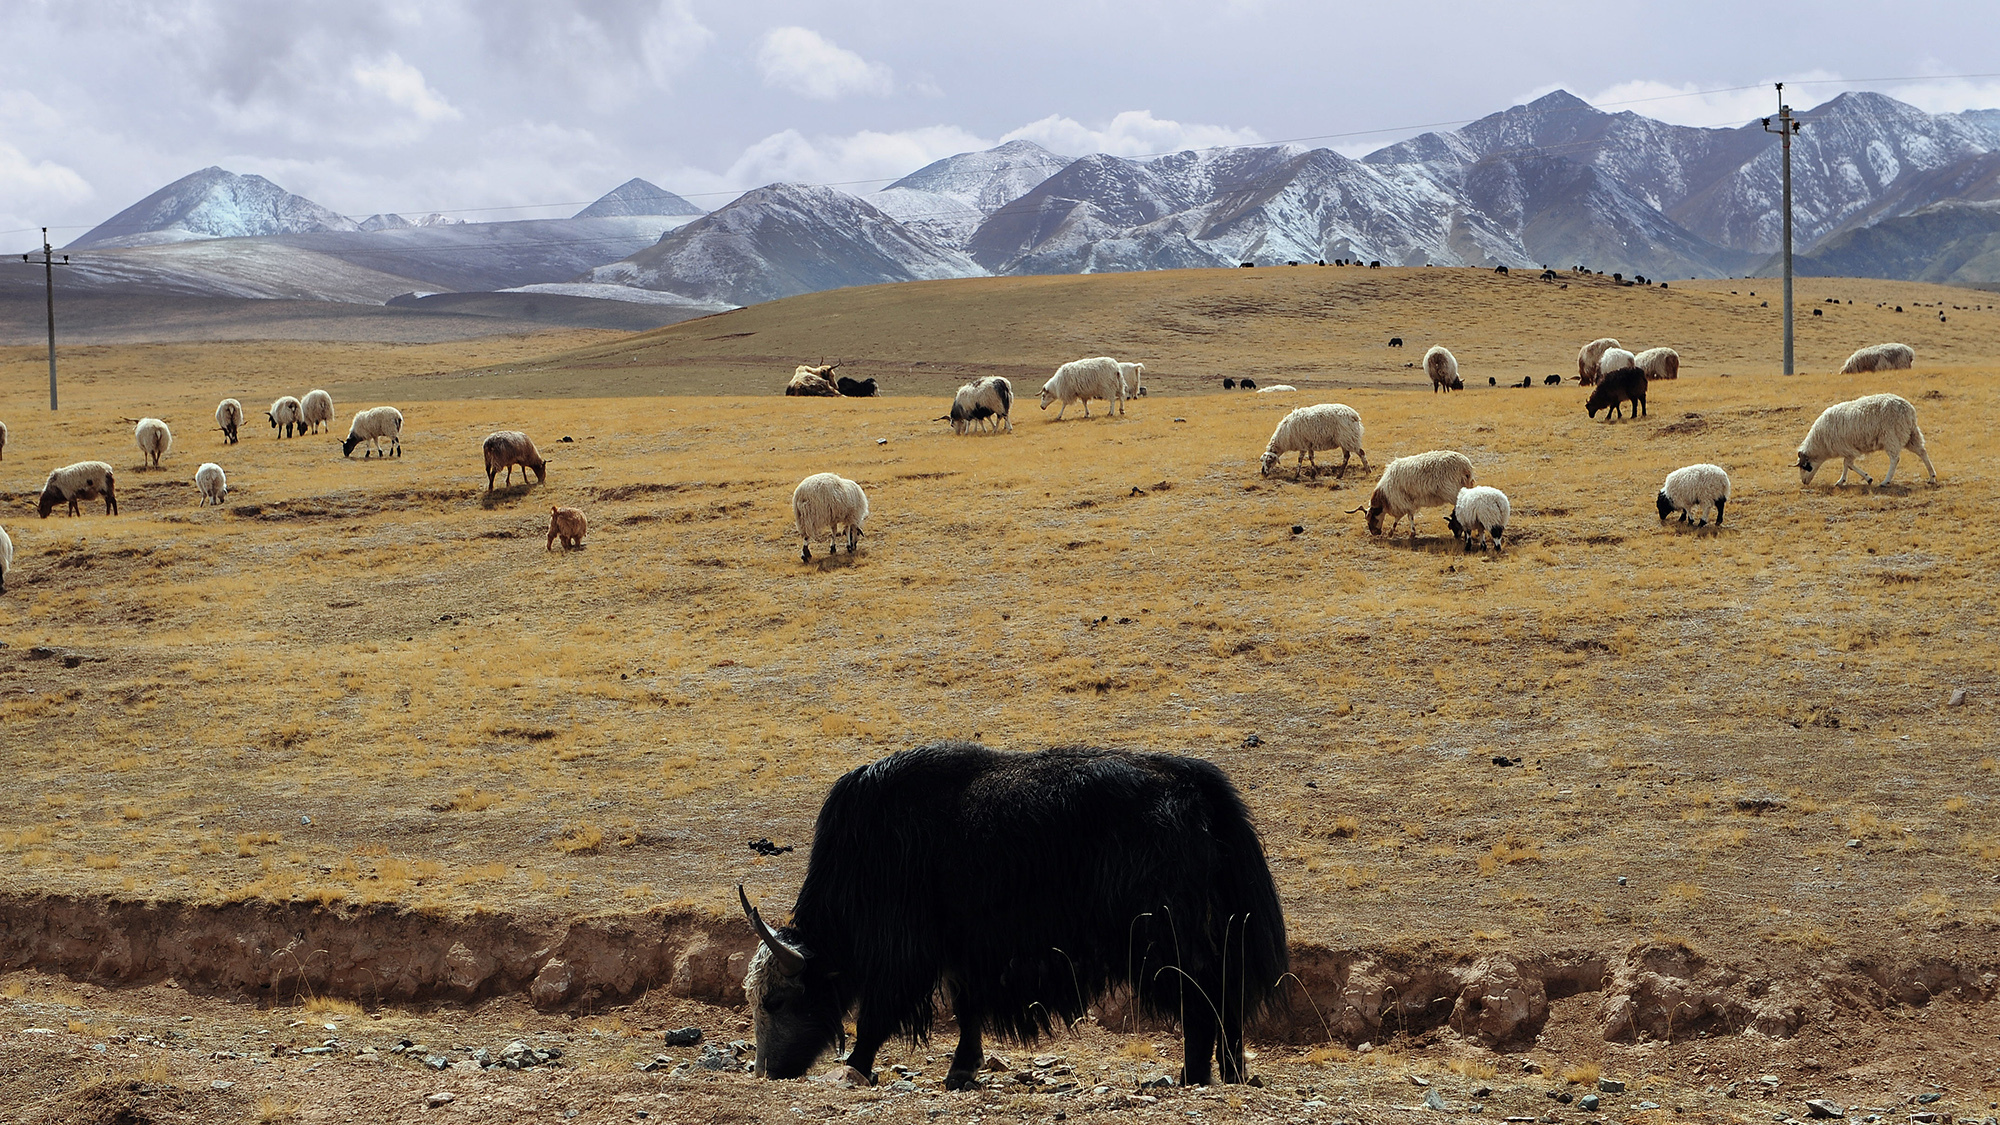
{"x": 1025, "y": 886}
{"x": 1616, "y": 388}
{"x": 855, "y": 388}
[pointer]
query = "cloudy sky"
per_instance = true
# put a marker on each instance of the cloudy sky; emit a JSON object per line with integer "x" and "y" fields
{"x": 525, "y": 108}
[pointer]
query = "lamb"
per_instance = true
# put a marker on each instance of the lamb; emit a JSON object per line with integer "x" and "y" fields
{"x": 85, "y": 480}
{"x": 855, "y": 388}
{"x": 566, "y": 524}
{"x": 1618, "y": 387}
{"x": 813, "y": 382}
{"x": 1691, "y": 490}
{"x": 1081, "y": 380}
{"x": 1411, "y": 484}
{"x": 1659, "y": 363}
{"x": 1132, "y": 373}
{"x": 1589, "y": 361}
{"x": 229, "y": 415}
{"x": 983, "y": 399}
{"x": 1276, "y": 388}
{"x": 6, "y": 558}
{"x": 828, "y": 504}
{"x": 213, "y": 484}
{"x": 1442, "y": 367}
{"x": 505, "y": 449}
{"x": 1880, "y": 357}
{"x": 316, "y": 410}
{"x": 1309, "y": 429}
{"x": 1849, "y": 429}
{"x": 1479, "y": 512}
{"x": 372, "y": 426}
{"x": 154, "y": 438}
{"x": 287, "y": 414}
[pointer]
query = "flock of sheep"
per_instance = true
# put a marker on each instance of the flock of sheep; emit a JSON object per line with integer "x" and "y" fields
{"x": 829, "y": 506}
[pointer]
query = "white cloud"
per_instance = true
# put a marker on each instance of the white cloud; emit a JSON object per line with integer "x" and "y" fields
{"x": 403, "y": 85}
{"x": 32, "y": 190}
{"x": 671, "y": 40}
{"x": 1135, "y": 132}
{"x": 805, "y": 62}
{"x": 1689, "y": 103}
{"x": 857, "y": 162}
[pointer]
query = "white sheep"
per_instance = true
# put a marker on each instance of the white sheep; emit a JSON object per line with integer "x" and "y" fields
{"x": 6, "y": 558}
{"x": 3, "y": 441}
{"x": 1132, "y": 373}
{"x": 1411, "y": 484}
{"x": 1659, "y": 363}
{"x": 287, "y": 415}
{"x": 316, "y": 409}
{"x": 1880, "y": 357}
{"x": 1309, "y": 429}
{"x": 1614, "y": 359}
{"x": 1081, "y": 380}
{"x": 1691, "y": 490}
{"x": 154, "y": 439}
{"x": 1480, "y": 512}
{"x": 828, "y": 504}
{"x": 229, "y": 416}
{"x": 1442, "y": 367}
{"x": 1276, "y": 389}
{"x": 1865, "y": 425}
{"x": 85, "y": 480}
{"x": 372, "y": 426}
{"x": 213, "y": 484}
{"x": 1589, "y": 361}
{"x": 987, "y": 399}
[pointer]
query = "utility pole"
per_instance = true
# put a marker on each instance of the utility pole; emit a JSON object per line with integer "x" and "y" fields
{"x": 1787, "y": 128}
{"x": 49, "y": 273}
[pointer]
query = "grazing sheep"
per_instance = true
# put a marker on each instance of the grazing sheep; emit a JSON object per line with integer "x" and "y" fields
{"x": 1132, "y": 373}
{"x": 1659, "y": 363}
{"x": 213, "y": 484}
{"x": 1614, "y": 390}
{"x": 814, "y": 382}
{"x": 286, "y": 414}
{"x": 1309, "y": 429}
{"x": 372, "y": 426}
{"x": 987, "y": 399}
{"x": 1442, "y": 367}
{"x": 85, "y": 480}
{"x": 855, "y": 388}
{"x": 566, "y": 524}
{"x": 1479, "y": 513}
{"x": 1614, "y": 359}
{"x": 1276, "y": 388}
{"x": 1081, "y": 380}
{"x": 828, "y": 504}
{"x": 1691, "y": 490}
{"x": 505, "y": 449}
{"x": 6, "y": 558}
{"x": 3, "y": 441}
{"x": 229, "y": 415}
{"x": 1411, "y": 484}
{"x": 1589, "y": 361}
{"x": 316, "y": 409}
{"x": 1865, "y": 425}
{"x": 1880, "y": 357}
{"x": 154, "y": 439}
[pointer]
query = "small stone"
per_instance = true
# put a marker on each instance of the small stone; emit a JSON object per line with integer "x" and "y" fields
{"x": 1610, "y": 1086}
{"x": 1482, "y": 1091}
{"x": 1419, "y": 1080}
{"x": 1563, "y": 1096}
{"x": 1046, "y": 1061}
{"x": 436, "y": 1062}
{"x": 1926, "y": 1099}
{"x": 996, "y": 1063}
{"x": 1622, "y": 881}
{"x": 1434, "y": 1101}
{"x": 1821, "y": 1107}
{"x": 1770, "y": 1080}
{"x": 442, "y": 1097}
{"x": 1160, "y": 1083}
{"x": 1649, "y": 1105}
{"x": 1531, "y": 1067}
{"x": 483, "y": 1057}
{"x": 1365, "y": 1049}
{"x": 1588, "y": 1103}
{"x": 219, "y": 1084}
{"x": 1854, "y": 843}
{"x": 1957, "y": 699}
{"x": 683, "y": 1037}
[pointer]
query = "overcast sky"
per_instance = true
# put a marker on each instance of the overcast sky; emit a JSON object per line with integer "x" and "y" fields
{"x": 456, "y": 105}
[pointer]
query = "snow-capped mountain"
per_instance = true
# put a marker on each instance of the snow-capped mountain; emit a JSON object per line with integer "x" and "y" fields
{"x": 638, "y": 197}
{"x": 782, "y": 240}
{"x": 949, "y": 198}
{"x": 212, "y": 203}
{"x": 404, "y": 222}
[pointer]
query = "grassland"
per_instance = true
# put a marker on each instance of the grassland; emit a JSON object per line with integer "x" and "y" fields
{"x": 366, "y": 681}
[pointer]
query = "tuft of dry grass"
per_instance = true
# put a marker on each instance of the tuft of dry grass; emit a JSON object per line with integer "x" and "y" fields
{"x": 1582, "y": 1074}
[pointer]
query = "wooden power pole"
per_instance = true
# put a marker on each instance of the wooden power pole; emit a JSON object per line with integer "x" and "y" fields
{"x": 49, "y": 264}
{"x": 1788, "y": 127}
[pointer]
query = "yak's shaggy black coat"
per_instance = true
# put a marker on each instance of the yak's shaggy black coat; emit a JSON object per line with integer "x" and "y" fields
{"x": 1025, "y": 886}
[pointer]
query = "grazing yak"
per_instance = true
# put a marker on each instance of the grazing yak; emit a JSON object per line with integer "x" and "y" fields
{"x": 1025, "y": 886}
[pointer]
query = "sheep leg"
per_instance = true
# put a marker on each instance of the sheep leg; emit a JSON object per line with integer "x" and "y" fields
{"x": 1917, "y": 447}
{"x": 1718, "y": 510}
{"x": 1894, "y": 455}
{"x": 806, "y": 552}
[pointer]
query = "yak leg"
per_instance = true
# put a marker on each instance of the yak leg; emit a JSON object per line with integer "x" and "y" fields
{"x": 1230, "y": 1050}
{"x": 1198, "y": 1028}
{"x": 870, "y": 1032}
{"x": 969, "y": 1055}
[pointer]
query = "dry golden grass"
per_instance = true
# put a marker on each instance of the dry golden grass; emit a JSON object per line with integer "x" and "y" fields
{"x": 367, "y": 682}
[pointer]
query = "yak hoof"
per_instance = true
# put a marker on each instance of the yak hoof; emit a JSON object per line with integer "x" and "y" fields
{"x": 806, "y": 553}
{"x": 961, "y": 1080}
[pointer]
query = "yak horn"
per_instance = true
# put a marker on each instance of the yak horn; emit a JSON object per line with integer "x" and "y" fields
{"x": 1351, "y": 511}
{"x": 788, "y": 960}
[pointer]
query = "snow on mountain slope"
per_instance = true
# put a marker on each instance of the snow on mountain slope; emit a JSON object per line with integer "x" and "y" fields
{"x": 944, "y": 219}
{"x": 637, "y": 197}
{"x": 404, "y": 222}
{"x": 1568, "y": 213}
{"x": 782, "y": 240}
{"x": 986, "y": 181}
{"x": 484, "y": 256}
{"x": 212, "y": 203}
{"x": 237, "y": 267}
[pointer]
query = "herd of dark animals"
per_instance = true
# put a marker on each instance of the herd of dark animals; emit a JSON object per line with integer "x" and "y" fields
{"x": 1024, "y": 886}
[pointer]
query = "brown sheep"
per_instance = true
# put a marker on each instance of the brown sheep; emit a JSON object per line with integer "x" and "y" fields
{"x": 508, "y": 448}
{"x": 566, "y": 524}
